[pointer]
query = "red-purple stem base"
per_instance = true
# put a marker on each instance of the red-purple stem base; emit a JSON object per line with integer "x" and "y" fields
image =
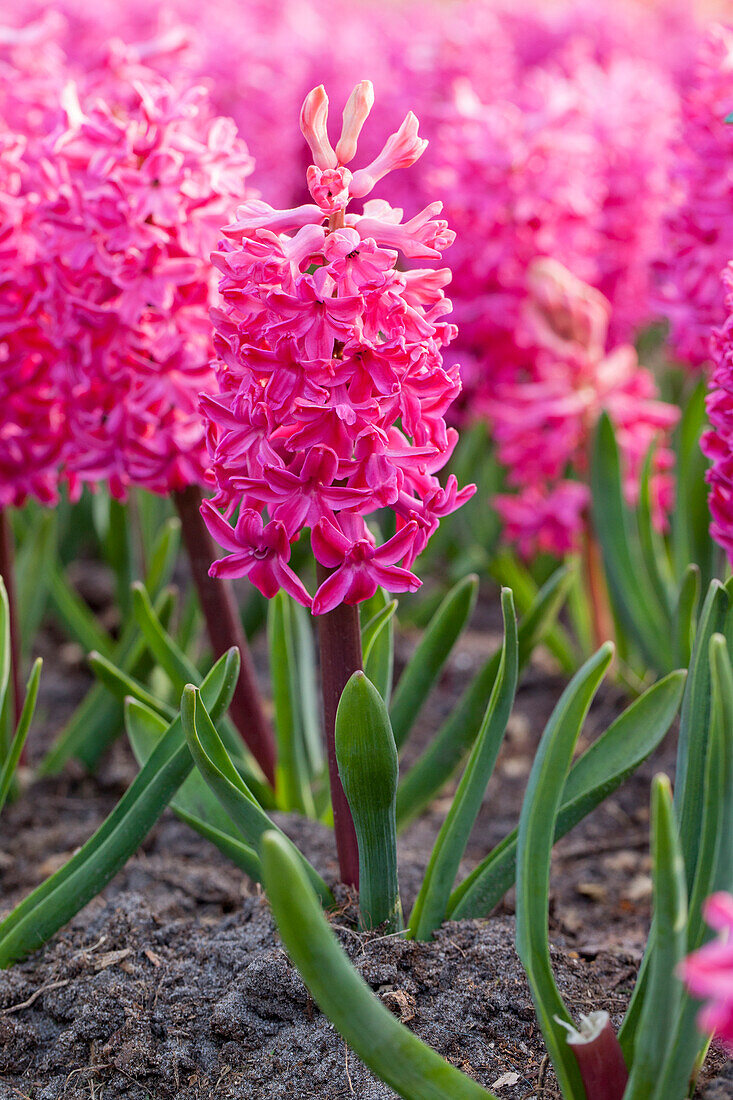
{"x": 224, "y": 627}
{"x": 600, "y": 1059}
{"x": 339, "y": 638}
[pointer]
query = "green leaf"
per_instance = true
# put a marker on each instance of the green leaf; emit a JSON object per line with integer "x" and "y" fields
{"x": 292, "y": 781}
{"x": 99, "y": 718}
{"x": 509, "y": 571}
{"x": 307, "y": 686}
{"x": 26, "y": 717}
{"x": 534, "y": 848}
{"x": 222, "y": 777}
{"x": 33, "y": 567}
{"x": 385, "y": 1045}
{"x": 367, "y": 764}
{"x": 686, "y": 614}
{"x": 61, "y": 896}
{"x": 432, "y": 652}
{"x": 694, "y": 726}
{"x": 5, "y": 646}
{"x": 174, "y": 662}
{"x": 653, "y": 549}
{"x": 121, "y": 685}
{"x": 194, "y": 803}
{"x": 690, "y": 521}
{"x": 715, "y": 830}
{"x": 75, "y": 616}
{"x": 602, "y": 768}
{"x": 632, "y": 591}
{"x": 377, "y": 643}
{"x": 662, "y": 1000}
{"x": 432, "y": 901}
{"x": 454, "y": 738}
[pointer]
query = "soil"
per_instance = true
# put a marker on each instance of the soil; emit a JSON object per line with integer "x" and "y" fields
{"x": 172, "y": 983}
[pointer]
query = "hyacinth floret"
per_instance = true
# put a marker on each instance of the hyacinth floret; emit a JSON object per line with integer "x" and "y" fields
{"x": 332, "y": 389}
{"x": 708, "y": 972}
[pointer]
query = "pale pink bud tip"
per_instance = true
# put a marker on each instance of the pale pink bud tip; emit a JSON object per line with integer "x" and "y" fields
{"x": 356, "y": 112}
{"x": 313, "y": 119}
{"x": 400, "y": 151}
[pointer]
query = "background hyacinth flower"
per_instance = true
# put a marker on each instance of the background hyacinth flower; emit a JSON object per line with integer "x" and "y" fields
{"x": 698, "y": 239}
{"x": 708, "y": 972}
{"x": 137, "y": 174}
{"x": 543, "y": 421}
{"x": 717, "y": 443}
{"x": 332, "y": 393}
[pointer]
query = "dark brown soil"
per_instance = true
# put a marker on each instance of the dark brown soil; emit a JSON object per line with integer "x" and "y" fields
{"x": 172, "y": 983}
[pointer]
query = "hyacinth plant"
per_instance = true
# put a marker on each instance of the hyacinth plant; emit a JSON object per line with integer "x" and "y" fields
{"x": 106, "y": 340}
{"x": 332, "y": 396}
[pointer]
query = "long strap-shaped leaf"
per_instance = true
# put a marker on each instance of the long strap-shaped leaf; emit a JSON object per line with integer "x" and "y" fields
{"x": 432, "y": 652}
{"x": 430, "y": 906}
{"x": 601, "y": 769}
{"x": 56, "y": 900}
{"x": 455, "y": 737}
{"x": 99, "y": 717}
{"x": 714, "y": 865}
{"x": 689, "y": 797}
{"x": 213, "y": 761}
{"x": 662, "y": 1000}
{"x": 534, "y": 849}
{"x": 194, "y": 803}
{"x": 122, "y": 685}
{"x": 292, "y": 771}
{"x": 634, "y": 596}
{"x": 24, "y": 724}
{"x": 385, "y": 1045}
{"x": 367, "y": 763}
{"x": 377, "y": 646}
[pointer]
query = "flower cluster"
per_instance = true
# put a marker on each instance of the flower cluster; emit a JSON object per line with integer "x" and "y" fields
{"x": 137, "y": 178}
{"x": 699, "y": 230}
{"x": 32, "y": 422}
{"x": 708, "y": 972}
{"x": 544, "y": 418}
{"x": 332, "y": 391}
{"x": 574, "y": 165}
{"x": 717, "y": 443}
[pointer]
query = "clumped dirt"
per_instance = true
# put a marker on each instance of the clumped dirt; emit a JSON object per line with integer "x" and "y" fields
{"x": 173, "y": 984}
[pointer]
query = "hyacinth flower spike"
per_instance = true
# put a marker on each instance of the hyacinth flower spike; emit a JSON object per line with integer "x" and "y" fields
{"x": 125, "y": 310}
{"x": 332, "y": 396}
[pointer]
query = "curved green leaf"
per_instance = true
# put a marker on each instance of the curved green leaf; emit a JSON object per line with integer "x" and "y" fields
{"x": 534, "y": 848}
{"x": 602, "y": 768}
{"x": 455, "y": 737}
{"x": 24, "y": 724}
{"x": 220, "y": 774}
{"x": 397, "y": 1056}
{"x": 56, "y": 900}
{"x": 367, "y": 764}
{"x": 432, "y": 901}
{"x": 432, "y": 652}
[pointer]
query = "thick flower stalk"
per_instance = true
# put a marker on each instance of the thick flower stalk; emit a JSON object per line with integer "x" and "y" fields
{"x": 699, "y": 230}
{"x": 332, "y": 389}
{"x": 717, "y": 443}
{"x": 544, "y": 419}
{"x": 708, "y": 972}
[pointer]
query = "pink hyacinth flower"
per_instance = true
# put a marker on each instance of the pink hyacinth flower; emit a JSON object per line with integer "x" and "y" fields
{"x": 332, "y": 393}
{"x": 708, "y": 972}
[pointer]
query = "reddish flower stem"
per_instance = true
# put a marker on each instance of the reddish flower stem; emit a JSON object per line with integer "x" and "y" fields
{"x": 600, "y": 1058}
{"x": 7, "y": 571}
{"x": 225, "y": 629}
{"x": 339, "y": 636}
